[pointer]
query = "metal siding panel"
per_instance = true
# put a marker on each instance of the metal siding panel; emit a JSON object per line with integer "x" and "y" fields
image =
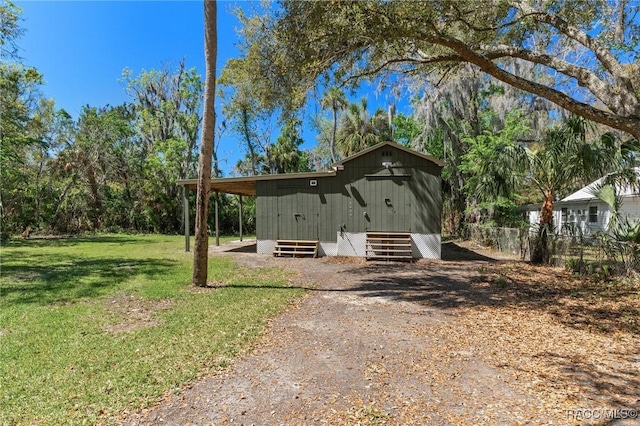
{"x": 298, "y": 211}
{"x": 376, "y": 196}
{"x": 421, "y": 214}
{"x": 263, "y": 211}
{"x": 351, "y": 208}
{"x": 331, "y": 221}
{"x": 362, "y": 206}
{"x": 356, "y": 208}
{"x": 260, "y": 218}
{"x": 427, "y": 211}
{"x": 325, "y": 218}
{"x": 419, "y": 184}
{"x": 273, "y": 212}
{"x": 420, "y": 198}
{"x": 273, "y": 209}
{"x": 423, "y": 195}
{"x": 283, "y": 210}
{"x": 375, "y": 208}
{"x": 272, "y": 232}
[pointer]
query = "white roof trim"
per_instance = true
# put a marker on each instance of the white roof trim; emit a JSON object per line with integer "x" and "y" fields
{"x": 587, "y": 193}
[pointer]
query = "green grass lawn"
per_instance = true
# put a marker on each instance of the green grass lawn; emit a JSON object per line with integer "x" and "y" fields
{"x": 93, "y": 327}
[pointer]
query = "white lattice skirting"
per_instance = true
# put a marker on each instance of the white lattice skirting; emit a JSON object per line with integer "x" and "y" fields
{"x": 425, "y": 246}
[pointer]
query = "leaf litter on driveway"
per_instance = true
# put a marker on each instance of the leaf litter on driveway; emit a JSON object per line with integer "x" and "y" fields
{"x": 463, "y": 341}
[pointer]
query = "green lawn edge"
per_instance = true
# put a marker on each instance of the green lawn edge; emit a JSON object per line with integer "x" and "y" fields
{"x": 94, "y": 327}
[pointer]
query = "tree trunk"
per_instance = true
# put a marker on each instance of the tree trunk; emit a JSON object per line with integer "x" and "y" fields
{"x": 96, "y": 201}
{"x": 334, "y": 130}
{"x": 247, "y": 136}
{"x": 546, "y": 213}
{"x": 201, "y": 244}
{"x": 540, "y": 254}
{"x": 53, "y": 223}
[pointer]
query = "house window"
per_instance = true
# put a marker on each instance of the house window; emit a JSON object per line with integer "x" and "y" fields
{"x": 593, "y": 214}
{"x": 565, "y": 215}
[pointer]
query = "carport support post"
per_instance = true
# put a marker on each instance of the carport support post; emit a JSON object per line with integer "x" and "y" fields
{"x": 240, "y": 215}
{"x": 217, "y": 222}
{"x": 185, "y": 212}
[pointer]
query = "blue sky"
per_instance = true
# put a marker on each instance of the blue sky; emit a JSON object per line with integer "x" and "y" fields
{"x": 81, "y": 48}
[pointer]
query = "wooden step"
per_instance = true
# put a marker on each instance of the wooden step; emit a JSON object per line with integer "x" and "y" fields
{"x": 389, "y": 250}
{"x": 388, "y": 246}
{"x": 296, "y": 248}
{"x": 387, "y": 257}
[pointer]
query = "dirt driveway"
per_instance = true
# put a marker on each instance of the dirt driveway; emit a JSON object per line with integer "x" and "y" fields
{"x": 466, "y": 340}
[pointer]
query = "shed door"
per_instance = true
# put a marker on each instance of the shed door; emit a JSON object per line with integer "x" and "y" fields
{"x": 390, "y": 207}
{"x": 298, "y": 213}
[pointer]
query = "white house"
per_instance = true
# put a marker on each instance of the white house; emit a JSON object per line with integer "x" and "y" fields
{"x": 583, "y": 212}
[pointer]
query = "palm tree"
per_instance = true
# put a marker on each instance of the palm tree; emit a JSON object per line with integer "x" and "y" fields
{"x": 336, "y": 100}
{"x": 358, "y": 130}
{"x": 201, "y": 244}
{"x": 565, "y": 160}
{"x": 285, "y": 153}
{"x": 494, "y": 161}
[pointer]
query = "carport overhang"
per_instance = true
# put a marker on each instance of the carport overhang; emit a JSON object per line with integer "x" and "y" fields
{"x": 241, "y": 186}
{"x": 237, "y": 186}
{"x": 246, "y": 185}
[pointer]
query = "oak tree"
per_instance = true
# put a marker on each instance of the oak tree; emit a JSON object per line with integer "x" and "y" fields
{"x": 590, "y": 48}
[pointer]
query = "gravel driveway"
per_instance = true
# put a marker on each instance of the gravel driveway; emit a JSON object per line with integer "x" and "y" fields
{"x": 428, "y": 342}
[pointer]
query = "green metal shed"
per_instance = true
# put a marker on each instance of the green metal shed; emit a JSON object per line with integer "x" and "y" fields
{"x": 366, "y": 206}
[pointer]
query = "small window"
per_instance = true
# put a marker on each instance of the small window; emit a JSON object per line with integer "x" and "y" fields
{"x": 593, "y": 214}
{"x": 565, "y": 215}
{"x": 387, "y": 160}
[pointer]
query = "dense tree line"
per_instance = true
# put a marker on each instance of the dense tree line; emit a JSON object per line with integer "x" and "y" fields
{"x": 504, "y": 144}
{"x": 113, "y": 168}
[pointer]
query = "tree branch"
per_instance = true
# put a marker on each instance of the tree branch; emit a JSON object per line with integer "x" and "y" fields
{"x": 424, "y": 60}
{"x": 584, "y": 76}
{"x": 609, "y": 62}
{"x": 628, "y": 124}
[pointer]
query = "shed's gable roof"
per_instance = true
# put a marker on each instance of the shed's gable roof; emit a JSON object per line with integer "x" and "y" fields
{"x": 389, "y": 144}
{"x": 246, "y": 185}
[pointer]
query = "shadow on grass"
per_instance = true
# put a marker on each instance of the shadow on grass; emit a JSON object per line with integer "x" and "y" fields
{"x": 68, "y": 241}
{"x": 51, "y": 279}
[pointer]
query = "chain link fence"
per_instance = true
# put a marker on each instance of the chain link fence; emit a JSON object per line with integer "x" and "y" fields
{"x": 593, "y": 254}
{"x": 513, "y": 241}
